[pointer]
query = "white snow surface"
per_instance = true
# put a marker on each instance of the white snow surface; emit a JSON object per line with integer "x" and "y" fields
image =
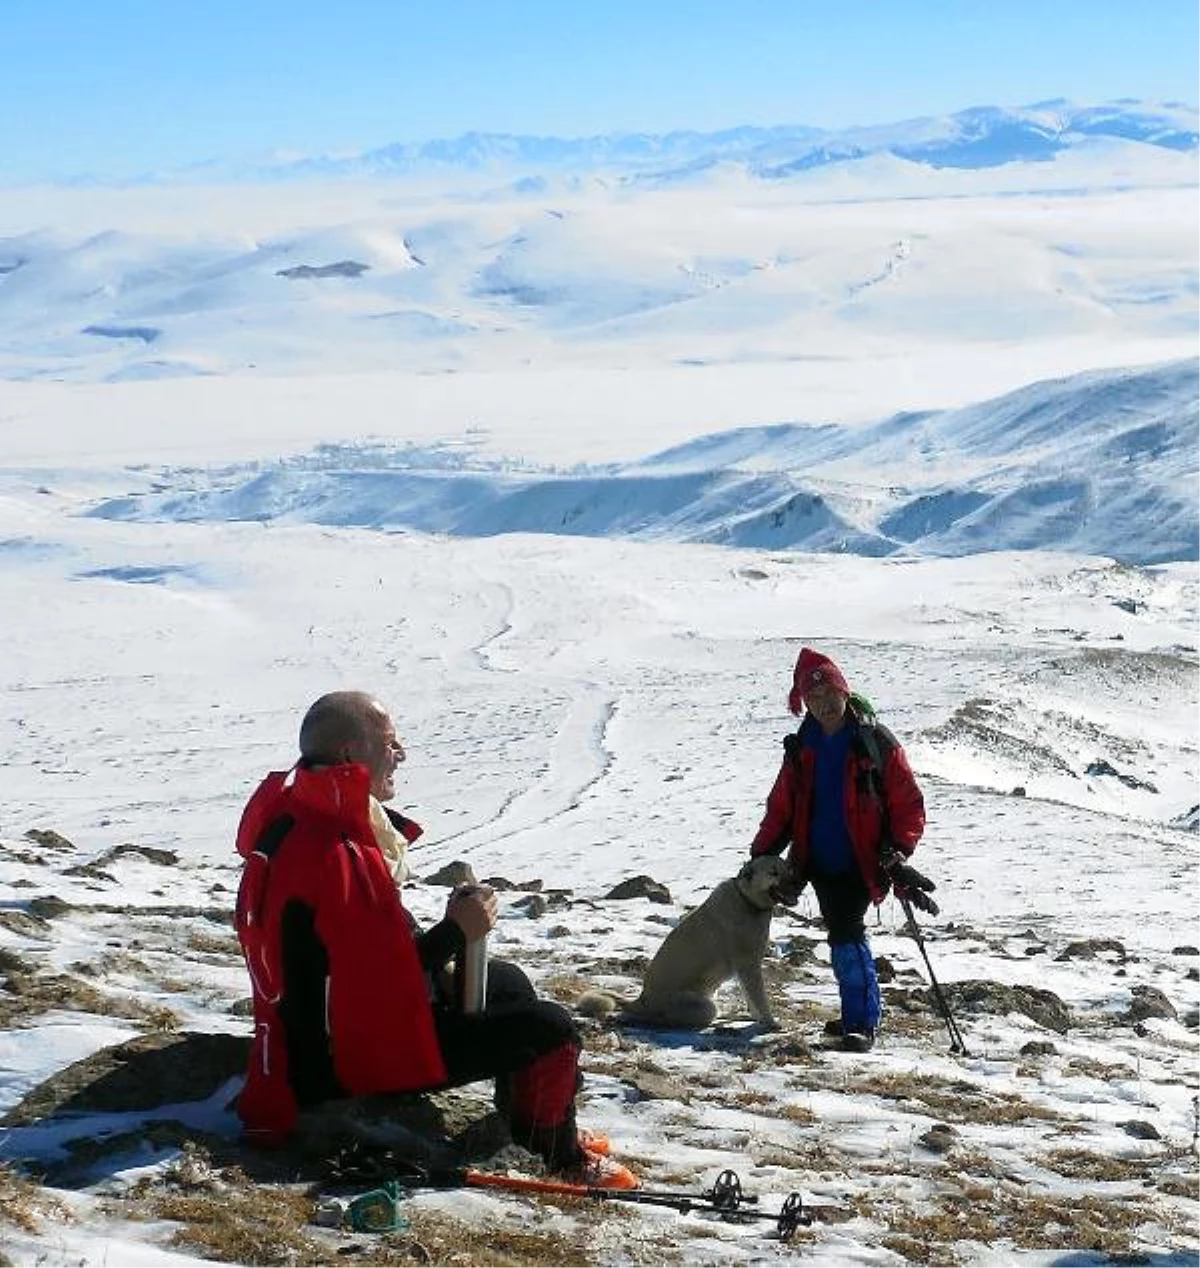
{"x": 224, "y": 492}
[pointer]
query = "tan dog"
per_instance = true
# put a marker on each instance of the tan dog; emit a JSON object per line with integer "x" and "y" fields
{"x": 725, "y": 937}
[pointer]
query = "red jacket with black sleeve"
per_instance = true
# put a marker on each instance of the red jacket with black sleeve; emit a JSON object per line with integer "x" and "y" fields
{"x": 789, "y": 805}
{"x": 341, "y": 1006}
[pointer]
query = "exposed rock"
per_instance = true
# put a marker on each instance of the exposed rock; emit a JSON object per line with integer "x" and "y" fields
{"x": 1185, "y": 950}
{"x": 11, "y": 963}
{"x": 1038, "y": 1048}
{"x": 1141, "y": 1130}
{"x": 48, "y": 906}
{"x": 152, "y": 1073}
{"x": 641, "y": 887}
{"x": 533, "y": 905}
{"x": 885, "y": 970}
{"x": 457, "y": 873}
{"x": 1089, "y": 948}
{"x": 26, "y": 925}
{"x": 433, "y": 1129}
{"x": 939, "y": 1139}
{"x": 500, "y": 884}
{"x": 49, "y": 839}
{"x": 1040, "y": 1006}
{"x": 1149, "y": 1001}
{"x": 143, "y": 1073}
{"x": 340, "y": 268}
{"x": 92, "y": 871}
{"x": 165, "y": 858}
{"x": 909, "y": 1000}
{"x": 1102, "y": 767}
{"x": 652, "y": 1086}
{"x": 1188, "y": 821}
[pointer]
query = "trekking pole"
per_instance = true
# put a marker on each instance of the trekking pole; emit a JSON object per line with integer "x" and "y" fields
{"x": 957, "y": 1047}
{"x": 725, "y": 1198}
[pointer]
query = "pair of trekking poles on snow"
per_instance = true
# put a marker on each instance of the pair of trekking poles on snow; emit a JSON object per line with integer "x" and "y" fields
{"x": 378, "y": 1211}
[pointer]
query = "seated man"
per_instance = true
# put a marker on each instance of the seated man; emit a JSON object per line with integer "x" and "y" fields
{"x": 342, "y": 979}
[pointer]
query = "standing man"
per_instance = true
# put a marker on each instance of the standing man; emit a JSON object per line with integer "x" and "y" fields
{"x": 847, "y": 807}
{"x": 345, "y": 1002}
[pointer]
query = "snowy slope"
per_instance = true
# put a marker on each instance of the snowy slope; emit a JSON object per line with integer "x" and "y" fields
{"x": 567, "y": 471}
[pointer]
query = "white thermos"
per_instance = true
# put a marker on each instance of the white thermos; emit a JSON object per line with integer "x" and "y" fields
{"x": 470, "y": 976}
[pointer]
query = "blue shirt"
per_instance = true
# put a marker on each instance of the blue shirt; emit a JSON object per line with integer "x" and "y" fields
{"x": 830, "y": 852}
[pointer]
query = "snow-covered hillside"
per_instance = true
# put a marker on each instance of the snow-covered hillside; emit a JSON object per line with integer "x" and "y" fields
{"x": 1103, "y": 463}
{"x": 566, "y": 468}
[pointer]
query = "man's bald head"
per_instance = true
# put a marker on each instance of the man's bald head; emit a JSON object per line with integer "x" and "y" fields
{"x": 339, "y": 728}
{"x": 352, "y": 726}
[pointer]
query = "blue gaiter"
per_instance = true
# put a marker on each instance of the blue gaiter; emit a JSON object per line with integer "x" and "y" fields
{"x": 854, "y": 968}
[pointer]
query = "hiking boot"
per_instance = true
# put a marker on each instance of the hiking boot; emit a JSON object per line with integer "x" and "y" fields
{"x": 594, "y": 1142}
{"x": 598, "y": 1172}
{"x": 833, "y": 1029}
{"x": 858, "y": 1041}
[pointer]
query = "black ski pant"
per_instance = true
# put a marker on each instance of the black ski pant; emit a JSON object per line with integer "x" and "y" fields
{"x": 843, "y": 899}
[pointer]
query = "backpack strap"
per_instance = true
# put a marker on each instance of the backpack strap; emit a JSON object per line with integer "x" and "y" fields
{"x": 877, "y": 743}
{"x": 874, "y": 742}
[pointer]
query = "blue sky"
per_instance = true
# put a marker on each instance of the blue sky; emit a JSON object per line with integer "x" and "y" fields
{"x": 116, "y": 87}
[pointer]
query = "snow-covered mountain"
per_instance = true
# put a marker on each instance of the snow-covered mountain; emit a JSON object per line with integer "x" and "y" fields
{"x": 1101, "y": 463}
{"x": 982, "y": 136}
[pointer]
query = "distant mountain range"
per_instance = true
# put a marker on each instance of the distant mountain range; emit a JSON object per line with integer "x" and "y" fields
{"x": 981, "y": 137}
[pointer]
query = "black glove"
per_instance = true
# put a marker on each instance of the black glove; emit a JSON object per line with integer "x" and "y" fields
{"x": 908, "y": 883}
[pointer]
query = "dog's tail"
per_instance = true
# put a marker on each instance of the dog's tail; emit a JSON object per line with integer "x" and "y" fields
{"x": 598, "y": 1005}
{"x": 684, "y": 1010}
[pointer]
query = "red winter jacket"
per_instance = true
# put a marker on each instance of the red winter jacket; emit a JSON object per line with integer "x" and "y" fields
{"x": 789, "y": 809}
{"x": 341, "y": 1005}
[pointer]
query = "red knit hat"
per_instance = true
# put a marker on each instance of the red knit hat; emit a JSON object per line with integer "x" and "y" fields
{"x": 812, "y": 670}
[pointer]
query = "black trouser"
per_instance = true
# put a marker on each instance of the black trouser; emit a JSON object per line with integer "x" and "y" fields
{"x": 843, "y": 900}
{"x": 530, "y": 1046}
{"x": 514, "y": 1028}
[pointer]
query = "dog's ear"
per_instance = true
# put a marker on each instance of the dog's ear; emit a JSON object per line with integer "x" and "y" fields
{"x": 746, "y": 870}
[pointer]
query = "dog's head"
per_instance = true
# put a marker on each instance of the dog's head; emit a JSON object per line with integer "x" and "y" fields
{"x": 760, "y": 878}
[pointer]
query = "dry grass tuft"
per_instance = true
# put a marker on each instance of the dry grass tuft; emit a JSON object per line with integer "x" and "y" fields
{"x": 955, "y": 1102}
{"x": 24, "y": 1204}
{"x": 28, "y": 995}
{"x": 1083, "y": 1164}
{"x": 450, "y": 1242}
{"x": 1025, "y": 1221}
{"x": 1088, "y": 1068}
{"x": 566, "y": 988}
{"x": 262, "y": 1226}
{"x": 219, "y": 946}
